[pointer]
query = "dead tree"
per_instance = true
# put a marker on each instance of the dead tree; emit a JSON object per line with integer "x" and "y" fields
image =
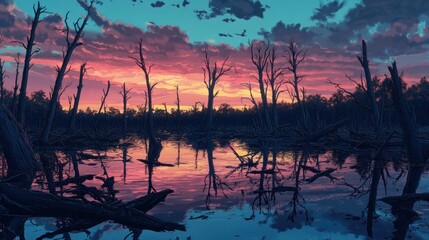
{"x": 141, "y": 63}
{"x": 29, "y": 54}
{"x": 61, "y": 71}
{"x": 377, "y": 167}
{"x": 16, "y": 147}
{"x": 370, "y": 89}
{"x": 408, "y": 125}
{"x": 273, "y": 73}
{"x": 294, "y": 57}
{"x": 16, "y": 86}
{"x": 125, "y": 97}
{"x": 252, "y": 99}
{"x": 72, "y": 121}
{"x": 177, "y": 102}
{"x": 212, "y": 76}
{"x": 3, "y": 76}
{"x": 260, "y": 55}
{"x": 104, "y": 97}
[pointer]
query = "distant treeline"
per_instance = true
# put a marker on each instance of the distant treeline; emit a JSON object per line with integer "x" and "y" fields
{"x": 323, "y": 111}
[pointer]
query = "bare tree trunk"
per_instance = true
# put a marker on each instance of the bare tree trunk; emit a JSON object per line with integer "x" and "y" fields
{"x": 377, "y": 165}
{"x": 62, "y": 71}
{"x": 370, "y": 89}
{"x": 124, "y": 93}
{"x": 15, "y": 88}
{"x": 178, "y": 105}
{"x": 2, "y": 79}
{"x": 212, "y": 76}
{"x": 16, "y": 147}
{"x": 273, "y": 74}
{"x": 295, "y": 56}
{"x": 72, "y": 120}
{"x": 260, "y": 60}
{"x": 141, "y": 63}
{"x": 104, "y": 97}
{"x": 29, "y": 53}
{"x": 409, "y": 128}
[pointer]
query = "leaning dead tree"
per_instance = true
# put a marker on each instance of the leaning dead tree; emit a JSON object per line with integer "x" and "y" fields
{"x": 372, "y": 107}
{"x": 212, "y": 76}
{"x": 29, "y": 54}
{"x": 370, "y": 89}
{"x": 2, "y": 79}
{"x": 16, "y": 85}
{"x": 104, "y": 97}
{"x": 140, "y": 61}
{"x": 273, "y": 73}
{"x": 294, "y": 57}
{"x": 73, "y": 112}
{"x": 15, "y": 145}
{"x": 125, "y": 97}
{"x": 72, "y": 44}
{"x": 260, "y": 55}
{"x": 408, "y": 125}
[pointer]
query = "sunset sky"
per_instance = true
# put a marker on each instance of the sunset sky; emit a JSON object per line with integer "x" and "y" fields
{"x": 174, "y": 32}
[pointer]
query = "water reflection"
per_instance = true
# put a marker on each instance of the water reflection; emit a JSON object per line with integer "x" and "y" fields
{"x": 241, "y": 190}
{"x": 212, "y": 182}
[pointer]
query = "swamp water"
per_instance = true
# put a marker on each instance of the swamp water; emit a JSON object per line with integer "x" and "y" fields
{"x": 266, "y": 195}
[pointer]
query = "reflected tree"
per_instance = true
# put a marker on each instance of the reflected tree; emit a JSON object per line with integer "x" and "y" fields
{"x": 212, "y": 182}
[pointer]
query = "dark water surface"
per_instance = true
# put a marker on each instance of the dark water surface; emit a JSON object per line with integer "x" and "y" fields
{"x": 217, "y": 198}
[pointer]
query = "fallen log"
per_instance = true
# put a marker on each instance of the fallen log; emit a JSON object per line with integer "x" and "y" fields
{"x": 39, "y": 204}
{"x": 322, "y": 132}
{"x": 143, "y": 204}
{"x": 75, "y": 180}
{"x": 156, "y": 163}
{"x": 268, "y": 171}
{"x": 411, "y": 197}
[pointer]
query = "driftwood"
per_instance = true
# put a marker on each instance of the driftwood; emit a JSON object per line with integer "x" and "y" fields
{"x": 23, "y": 202}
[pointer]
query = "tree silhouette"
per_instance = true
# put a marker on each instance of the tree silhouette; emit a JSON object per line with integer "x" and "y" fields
{"x": 141, "y": 63}
{"x": 212, "y": 76}
{"x": 29, "y": 54}
{"x": 62, "y": 71}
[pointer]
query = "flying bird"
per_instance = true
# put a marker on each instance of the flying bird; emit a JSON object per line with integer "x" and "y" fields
{"x": 225, "y": 35}
{"x": 227, "y": 20}
{"x": 176, "y": 5}
{"x": 242, "y": 34}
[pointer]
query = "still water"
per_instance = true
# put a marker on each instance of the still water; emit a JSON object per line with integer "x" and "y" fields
{"x": 270, "y": 194}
